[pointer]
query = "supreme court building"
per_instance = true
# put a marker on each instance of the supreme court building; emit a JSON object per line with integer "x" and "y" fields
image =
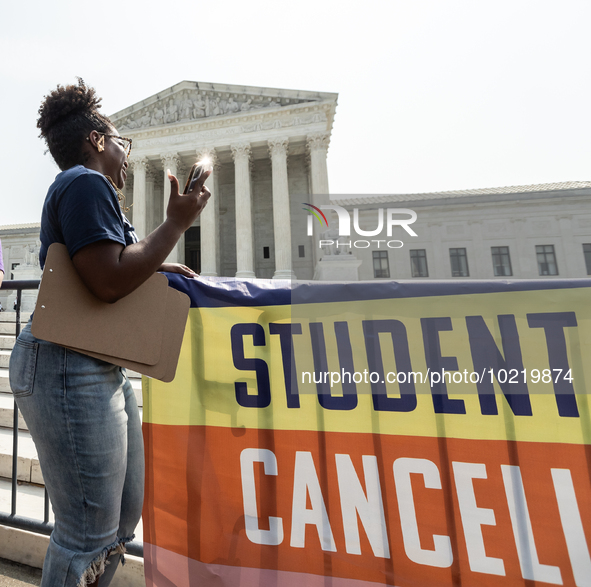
{"x": 270, "y": 150}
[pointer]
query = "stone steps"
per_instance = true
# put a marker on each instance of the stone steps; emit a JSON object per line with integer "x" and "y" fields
{"x": 134, "y": 378}
{"x": 30, "y": 502}
{"x": 11, "y": 317}
{"x": 28, "y": 469}
{"x": 4, "y": 359}
{"x": 7, "y": 400}
{"x": 29, "y": 548}
{"x": 8, "y": 328}
{"x": 6, "y": 342}
{"x": 4, "y": 382}
{"x": 7, "y": 413}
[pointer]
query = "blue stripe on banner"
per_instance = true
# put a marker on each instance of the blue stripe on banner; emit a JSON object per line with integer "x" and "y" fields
{"x": 222, "y": 292}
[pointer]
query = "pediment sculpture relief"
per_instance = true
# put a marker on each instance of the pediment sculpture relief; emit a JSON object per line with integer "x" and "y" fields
{"x": 189, "y": 105}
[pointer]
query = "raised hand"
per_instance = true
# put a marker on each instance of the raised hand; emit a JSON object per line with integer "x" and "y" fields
{"x": 183, "y": 209}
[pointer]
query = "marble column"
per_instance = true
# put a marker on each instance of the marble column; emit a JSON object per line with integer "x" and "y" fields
{"x": 244, "y": 229}
{"x": 317, "y": 145}
{"x": 182, "y": 172}
{"x": 281, "y": 209}
{"x": 172, "y": 161}
{"x": 151, "y": 221}
{"x": 139, "y": 166}
{"x": 210, "y": 219}
{"x": 318, "y": 148}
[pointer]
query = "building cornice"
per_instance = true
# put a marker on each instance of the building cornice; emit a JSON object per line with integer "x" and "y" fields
{"x": 293, "y": 121}
{"x": 512, "y": 193}
{"x": 11, "y": 229}
{"x": 202, "y": 106}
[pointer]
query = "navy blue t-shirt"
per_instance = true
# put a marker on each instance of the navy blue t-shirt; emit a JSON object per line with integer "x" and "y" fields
{"x": 81, "y": 208}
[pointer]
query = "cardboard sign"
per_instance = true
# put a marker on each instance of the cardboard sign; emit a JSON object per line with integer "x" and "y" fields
{"x": 142, "y": 331}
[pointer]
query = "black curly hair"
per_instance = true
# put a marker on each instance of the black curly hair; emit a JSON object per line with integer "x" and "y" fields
{"x": 66, "y": 118}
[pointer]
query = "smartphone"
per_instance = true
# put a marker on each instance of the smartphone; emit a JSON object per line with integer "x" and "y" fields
{"x": 197, "y": 171}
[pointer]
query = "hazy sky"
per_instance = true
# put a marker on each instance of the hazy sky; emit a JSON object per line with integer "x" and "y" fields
{"x": 433, "y": 94}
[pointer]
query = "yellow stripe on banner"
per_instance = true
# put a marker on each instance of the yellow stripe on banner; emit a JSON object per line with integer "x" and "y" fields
{"x": 519, "y": 323}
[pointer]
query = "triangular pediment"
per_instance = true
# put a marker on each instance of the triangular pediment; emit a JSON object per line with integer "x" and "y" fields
{"x": 195, "y": 101}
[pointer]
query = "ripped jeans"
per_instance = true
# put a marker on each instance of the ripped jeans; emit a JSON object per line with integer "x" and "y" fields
{"x": 83, "y": 417}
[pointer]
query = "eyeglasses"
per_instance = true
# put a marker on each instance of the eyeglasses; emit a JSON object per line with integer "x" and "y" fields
{"x": 123, "y": 142}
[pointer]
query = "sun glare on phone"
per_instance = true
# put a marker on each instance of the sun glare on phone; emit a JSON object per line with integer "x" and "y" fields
{"x": 206, "y": 163}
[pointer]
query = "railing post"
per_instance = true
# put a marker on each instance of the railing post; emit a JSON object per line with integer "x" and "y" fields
{"x": 14, "y": 458}
{"x": 15, "y": 416}
{"x": 19, "y": 295}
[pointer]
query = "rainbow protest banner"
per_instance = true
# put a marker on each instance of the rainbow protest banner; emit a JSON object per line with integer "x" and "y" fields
{"x": 424, "y": 434}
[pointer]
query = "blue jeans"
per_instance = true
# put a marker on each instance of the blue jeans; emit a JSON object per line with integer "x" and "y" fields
{"x": 83, "y": 417}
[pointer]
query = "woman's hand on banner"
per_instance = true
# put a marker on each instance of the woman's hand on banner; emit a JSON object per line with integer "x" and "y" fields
{"x": 178, "y": 268}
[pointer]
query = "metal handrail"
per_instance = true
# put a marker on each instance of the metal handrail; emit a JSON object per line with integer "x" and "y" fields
{"x": 12, "y": 519}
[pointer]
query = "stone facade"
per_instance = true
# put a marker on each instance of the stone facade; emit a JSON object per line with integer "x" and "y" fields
{"x": 20, "y": 249}
{"x": 516, "y": 221}
{"x": 269, "y": 147}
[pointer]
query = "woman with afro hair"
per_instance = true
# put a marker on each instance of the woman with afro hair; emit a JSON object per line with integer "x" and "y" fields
{"x": 81, "y": 412}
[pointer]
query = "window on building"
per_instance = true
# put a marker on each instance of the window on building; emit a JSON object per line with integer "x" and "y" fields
{"x": 381, "y": 266}
{"x": 301, "y": 251}
{"x": 459, "y": 262}
{"x": 418, "y": 263}
{"x": 266, "y": 253}
{"x": 13, "y": 267}
{"x": 587, "y": 253}
{"x": 546, "y": 260}
{"x": 501, "y": 261}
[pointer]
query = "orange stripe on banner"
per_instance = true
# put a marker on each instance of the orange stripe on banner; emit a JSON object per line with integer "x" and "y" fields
{"x": 495, "y": 513}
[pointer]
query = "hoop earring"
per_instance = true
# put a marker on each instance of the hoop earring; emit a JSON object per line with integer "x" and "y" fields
{"x": 100, "y": 145}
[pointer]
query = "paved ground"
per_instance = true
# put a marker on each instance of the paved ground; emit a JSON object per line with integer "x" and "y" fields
{"x": 17, "y": 575}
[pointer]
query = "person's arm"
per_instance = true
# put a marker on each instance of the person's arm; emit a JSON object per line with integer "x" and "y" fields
{"x": 111, "y": 271}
